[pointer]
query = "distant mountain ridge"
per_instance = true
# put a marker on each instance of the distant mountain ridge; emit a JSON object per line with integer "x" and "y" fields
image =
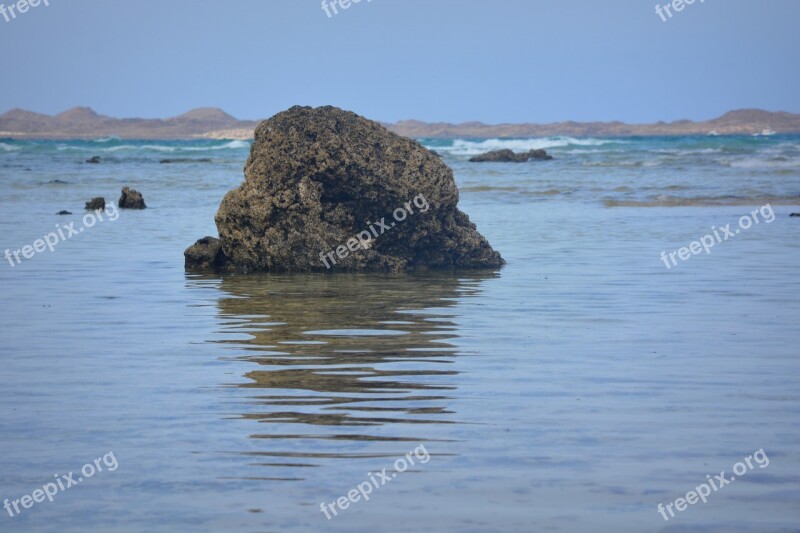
{"x": 744, "y": 121}
{"x": 85, "y": 123}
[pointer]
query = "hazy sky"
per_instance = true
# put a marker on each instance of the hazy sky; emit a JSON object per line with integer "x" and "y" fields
{"x": 448, "y": 60}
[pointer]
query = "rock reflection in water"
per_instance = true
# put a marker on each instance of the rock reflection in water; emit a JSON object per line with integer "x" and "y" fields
{"x": 334, "y": 355}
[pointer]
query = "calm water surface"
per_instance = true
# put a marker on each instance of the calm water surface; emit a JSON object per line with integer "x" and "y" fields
{"x": 572, "y": 390}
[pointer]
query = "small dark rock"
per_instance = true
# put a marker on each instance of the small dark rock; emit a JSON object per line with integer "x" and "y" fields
{"x": 64, "y": 212}
{"x": 795, "y": 215}
{"x": 186, "y": 160}
{"x": 58, "y": 182}
{"x": 131, "y": 199}
{"x": 94, "y": 160}
{"x": 508, "y": 156}
{"x": 205, "y": 254}
{"x": 96, "y": 203}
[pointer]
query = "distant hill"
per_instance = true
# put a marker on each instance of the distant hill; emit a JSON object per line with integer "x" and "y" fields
{"x": 84, "y": 123}
{"x": 745, "y": 121}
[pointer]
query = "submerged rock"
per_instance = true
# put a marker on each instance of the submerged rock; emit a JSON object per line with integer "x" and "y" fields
{"x": 131, "y": 199}
{"x": 325, "y": 188}
{"x": 508, "y": 156}
{"x": 186, "y": 160}
{"x": 95, "y": 160}
{"x": 64, "y": 212}
{"x": 96, "y": 203}
{"x": 795, "y": 215}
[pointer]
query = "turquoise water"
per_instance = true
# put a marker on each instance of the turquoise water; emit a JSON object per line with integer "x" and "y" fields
{"x": 575, "y": 389}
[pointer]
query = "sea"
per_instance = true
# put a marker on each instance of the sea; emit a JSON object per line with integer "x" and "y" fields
{"x": 641, "y": 340}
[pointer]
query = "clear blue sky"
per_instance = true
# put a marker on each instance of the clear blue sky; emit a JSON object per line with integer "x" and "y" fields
{"x": 448, "y": 60}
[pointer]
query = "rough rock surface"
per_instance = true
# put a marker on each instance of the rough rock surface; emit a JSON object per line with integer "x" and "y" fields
{"x": 205, "y": 254}
{"x": 96, "y": 203}
{"x": 508, "y": 156}
{"x": 131, "y": 199}
{"x": 317, "y": 177}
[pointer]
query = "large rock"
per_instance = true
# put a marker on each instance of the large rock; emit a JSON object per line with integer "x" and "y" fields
{"x": 324, "y": 188}
{"x": 508, "y": 156}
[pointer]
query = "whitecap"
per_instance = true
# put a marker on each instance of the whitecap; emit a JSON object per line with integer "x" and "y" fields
{"x": 471, "y": 147}
{"x": 766, "y": 163}
{"x": 235, "y": 145}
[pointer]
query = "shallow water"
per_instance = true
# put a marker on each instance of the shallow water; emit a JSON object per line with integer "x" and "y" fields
{"x": 572, "y": 390}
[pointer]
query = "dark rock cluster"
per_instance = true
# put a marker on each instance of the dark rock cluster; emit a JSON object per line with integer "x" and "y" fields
{"x": 130, "y": 199}
{"x": 508, "y": 156}
{"x": 186, "y": 160}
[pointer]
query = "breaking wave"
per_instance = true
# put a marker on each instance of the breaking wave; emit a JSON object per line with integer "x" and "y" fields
{"x": 165, "y": 148}
{"x": 677, "y": 201}
{"x": 474, "y": 147}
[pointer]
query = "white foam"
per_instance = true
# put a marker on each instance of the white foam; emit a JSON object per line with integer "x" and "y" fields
{"x": 235, "y": 145}
{"x": 765, "y": 163}
{"x": 680, "y": 152}
{"x": 467, "y": 147}
{"x": 231, "y": 145}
